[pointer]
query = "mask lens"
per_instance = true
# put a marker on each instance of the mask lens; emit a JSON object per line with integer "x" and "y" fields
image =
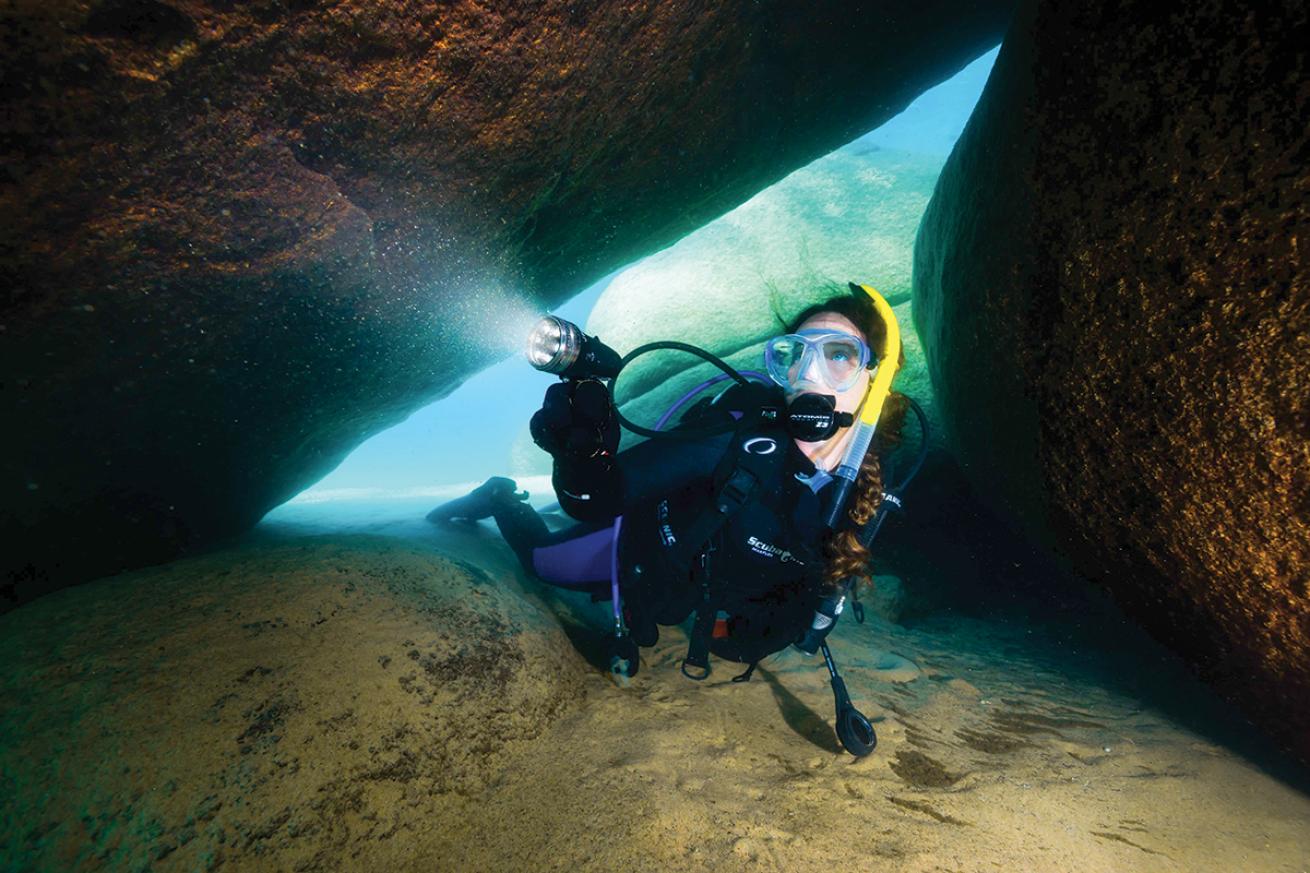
{"x": 782, "y": 356}
{"x": 790, "y": 352}
{"x": 835, "y": 360}
{"x": 843, "y": 361}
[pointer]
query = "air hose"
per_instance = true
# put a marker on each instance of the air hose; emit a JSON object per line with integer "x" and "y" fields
{"x": 681, "y": 433}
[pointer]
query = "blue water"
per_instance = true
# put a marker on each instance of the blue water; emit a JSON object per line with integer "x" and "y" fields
{"x": 434, "y": 446}
{"x": 933, "y": 122}
{"x": 466, "y": 436}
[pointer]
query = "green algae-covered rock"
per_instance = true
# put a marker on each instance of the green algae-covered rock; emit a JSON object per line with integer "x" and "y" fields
{"x": 732, "y": 284}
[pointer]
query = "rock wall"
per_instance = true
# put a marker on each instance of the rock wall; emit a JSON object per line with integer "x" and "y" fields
{"x": 1110, "y": 286}
{"x": 240, "y": 238}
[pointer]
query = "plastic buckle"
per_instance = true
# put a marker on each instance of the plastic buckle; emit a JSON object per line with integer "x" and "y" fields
{"x": 736, "y": 490}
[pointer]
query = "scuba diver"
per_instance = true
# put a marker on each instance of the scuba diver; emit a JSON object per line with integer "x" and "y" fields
{"x": 754, "y": 512}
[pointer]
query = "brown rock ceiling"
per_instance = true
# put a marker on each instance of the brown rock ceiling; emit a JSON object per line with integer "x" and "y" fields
{"x": 240, "y": 238}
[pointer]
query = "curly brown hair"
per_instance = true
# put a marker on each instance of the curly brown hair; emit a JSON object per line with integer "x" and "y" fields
{"x": 844, "y": 557}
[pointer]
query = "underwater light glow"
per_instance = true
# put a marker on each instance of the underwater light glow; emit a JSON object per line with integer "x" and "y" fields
{"x": 492, "y": 318}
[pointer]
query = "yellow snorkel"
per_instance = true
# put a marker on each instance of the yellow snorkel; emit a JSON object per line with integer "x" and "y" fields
{"x": 870, "y": 411}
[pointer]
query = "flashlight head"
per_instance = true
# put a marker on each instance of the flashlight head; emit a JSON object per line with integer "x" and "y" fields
{"x": 554, "y": 344}
{"x": 560, "y": 347}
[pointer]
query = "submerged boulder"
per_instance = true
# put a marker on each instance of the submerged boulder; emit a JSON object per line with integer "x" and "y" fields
{"x": 286, "y": 704}
{"x": 242, "y": 237}
{"x": 1111, "y": 294}
{"x": 850, "y": 216}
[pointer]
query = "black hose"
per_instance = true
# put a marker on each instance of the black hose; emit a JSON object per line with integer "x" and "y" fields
{"x": 686, "y": 433}
{"x": 924, "y": 431}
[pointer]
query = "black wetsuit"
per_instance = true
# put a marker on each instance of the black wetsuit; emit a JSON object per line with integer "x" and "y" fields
{"x": 765, "y": 561}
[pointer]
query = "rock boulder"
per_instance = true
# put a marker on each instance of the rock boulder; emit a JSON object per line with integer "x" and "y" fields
{"x": 1111, "y": 291}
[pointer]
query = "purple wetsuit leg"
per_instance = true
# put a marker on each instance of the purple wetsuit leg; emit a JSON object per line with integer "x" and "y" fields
{"x": 577, "y": 563}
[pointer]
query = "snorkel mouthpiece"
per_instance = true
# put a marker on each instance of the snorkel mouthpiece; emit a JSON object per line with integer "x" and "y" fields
{"x": 560, "y": 347}
{"x": 881, "y": 386}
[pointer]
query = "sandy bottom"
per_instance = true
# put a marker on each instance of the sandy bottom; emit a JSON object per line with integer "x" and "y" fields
{"x": 357, "y": 702}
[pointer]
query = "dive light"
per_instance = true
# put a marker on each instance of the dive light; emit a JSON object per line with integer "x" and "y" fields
{"x": 560, "y": 347}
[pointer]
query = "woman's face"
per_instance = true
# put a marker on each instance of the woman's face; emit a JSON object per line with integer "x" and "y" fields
{"x": 848, "y": 400}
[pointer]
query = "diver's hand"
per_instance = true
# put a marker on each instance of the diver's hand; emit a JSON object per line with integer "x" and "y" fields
{"x": 576, "y": 420}
{"x": 578, "y": 426}
{"x": 549, "y": 425}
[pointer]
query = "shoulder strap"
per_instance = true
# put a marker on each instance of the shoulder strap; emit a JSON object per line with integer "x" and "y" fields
{"x": 698, "y": 645}
{"x": 757, "y": 457}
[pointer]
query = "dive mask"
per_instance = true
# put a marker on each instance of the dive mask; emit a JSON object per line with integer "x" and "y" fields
{"x": 816, "y": 357}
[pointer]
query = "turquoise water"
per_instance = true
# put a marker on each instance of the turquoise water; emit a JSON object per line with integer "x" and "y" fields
{"x": 349, "y": 686}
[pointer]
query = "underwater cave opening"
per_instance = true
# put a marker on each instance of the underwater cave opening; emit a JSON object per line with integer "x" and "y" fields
{"x": 851, "y": 214}
{"x": 480, "y": 428}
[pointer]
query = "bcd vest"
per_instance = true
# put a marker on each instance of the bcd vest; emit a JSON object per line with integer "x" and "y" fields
{"x": 741, "y": 550}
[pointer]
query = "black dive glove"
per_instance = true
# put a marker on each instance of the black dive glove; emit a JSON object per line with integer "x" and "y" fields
{"x": 825, "y": 619}
{"x": 578, "y": 427}
{"x": 576, "y": 421}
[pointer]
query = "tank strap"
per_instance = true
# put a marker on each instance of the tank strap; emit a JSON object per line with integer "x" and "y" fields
{"x": 698, "y": 646}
